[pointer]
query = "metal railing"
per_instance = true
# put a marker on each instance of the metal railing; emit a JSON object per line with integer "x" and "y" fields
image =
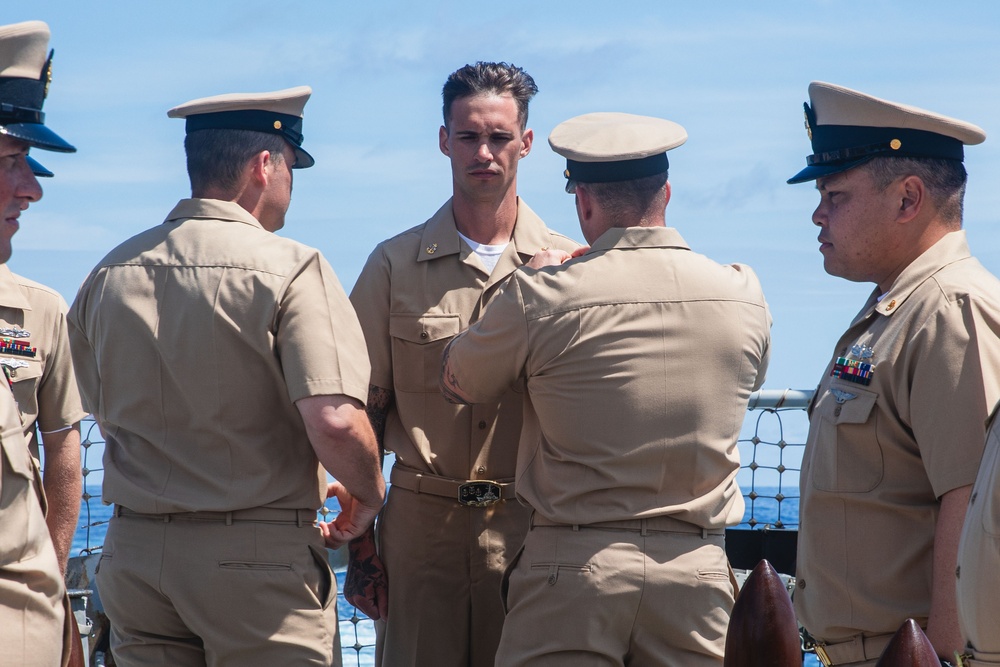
{"x": 771, "y": 447}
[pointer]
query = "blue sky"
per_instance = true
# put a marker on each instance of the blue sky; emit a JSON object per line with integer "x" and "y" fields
{"x": 733, "y": 73}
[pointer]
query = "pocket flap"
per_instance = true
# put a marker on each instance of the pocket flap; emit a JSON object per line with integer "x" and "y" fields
{"x": 423, "y": 329}
{"x": 16, "y": 452}
{"x": 850, "y": 405}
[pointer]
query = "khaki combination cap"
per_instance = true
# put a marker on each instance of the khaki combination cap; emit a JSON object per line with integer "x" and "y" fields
{"x": 25, "y": 75}
{"x": 279, "y": 112}
{"x": 606, "y": 147}
{"x": 848, "y": 128}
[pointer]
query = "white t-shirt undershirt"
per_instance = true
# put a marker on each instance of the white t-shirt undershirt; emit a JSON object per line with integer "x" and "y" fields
{"x": 489, "y": 255}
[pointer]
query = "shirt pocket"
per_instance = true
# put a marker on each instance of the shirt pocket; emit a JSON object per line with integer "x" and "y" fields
{"x": 847, "y": 457}
{"x": 417, "y": 344}
{"x": 25, "y": 381}
{"x": 22, "y": 522}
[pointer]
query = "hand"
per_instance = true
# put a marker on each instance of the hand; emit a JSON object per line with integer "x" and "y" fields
{"x": 553, "y": 257}
{"x": 353, "y": 520}
{"x": 366, "y": 585}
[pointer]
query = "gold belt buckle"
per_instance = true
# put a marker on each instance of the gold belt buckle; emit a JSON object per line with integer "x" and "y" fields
{"x": 479, "y": 494}
{"x": 822, "y": 655}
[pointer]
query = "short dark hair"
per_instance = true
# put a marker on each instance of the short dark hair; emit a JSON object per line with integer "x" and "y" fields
{"x": 490, "y": 79}
{"x": 945, "y": 180}
{"x": 627, "y": 201}
{"x": 217, "y": 157}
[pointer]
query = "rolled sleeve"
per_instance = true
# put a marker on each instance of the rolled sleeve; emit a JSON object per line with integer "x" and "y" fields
{"x": 370, "y": 298}
{"x": 59, "y": 405}
{"x": 319, "y": 340}
{"x": 957, "y": 350}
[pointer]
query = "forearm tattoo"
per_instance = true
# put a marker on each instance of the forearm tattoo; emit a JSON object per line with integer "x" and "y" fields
{"x": 377, "y": 408}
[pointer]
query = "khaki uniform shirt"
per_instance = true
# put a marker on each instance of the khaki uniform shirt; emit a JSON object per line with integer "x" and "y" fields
{"x": 880, "y": 455}
{"x": 979, "y": 555}
{"x": 639, "y": 359}
{"x": 31, "y": 586}
{"x": 42, "y": 376}
{"x": 192, "y": 341}
{"x": 416, "y": 292}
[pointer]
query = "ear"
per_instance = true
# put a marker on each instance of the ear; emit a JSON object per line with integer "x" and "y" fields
{"x": 911, "y": 193}
{"x": 443, "y": 141}
{"x": 259, "y": 166}
{"x": 527, "y": 137}
{"x": 584, "y": 202}
{"x": 666, "y": 193}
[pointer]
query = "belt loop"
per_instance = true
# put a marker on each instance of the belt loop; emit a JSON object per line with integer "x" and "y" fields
{"x": 298, "y": 518}
{"x": 643, "y": 527}
{"x": 704, "y": 533}
{"x": 531, "y": 521}
{"x": 229, "y": 518}
{"x": 118, "y": 511}
{"x": 576, "y": 527}
{"x": 166, "y": 518}
{"x": 419, "y": 477}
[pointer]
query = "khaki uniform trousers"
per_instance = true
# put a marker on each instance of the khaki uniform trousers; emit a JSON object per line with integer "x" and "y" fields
{"x": 444, "y": 563}
{"x": 196, "y": 592}
{"x": 587, "y": 596}
{"x": 33, "y": 620}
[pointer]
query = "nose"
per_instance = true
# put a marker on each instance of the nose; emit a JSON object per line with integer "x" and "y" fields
{"x": 28, "y": 187}
{"x": 819, "y": 216}
{"x": 484, "y": 154}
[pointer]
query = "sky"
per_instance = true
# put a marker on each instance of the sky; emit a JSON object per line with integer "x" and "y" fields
{"x": 734, "y": 74}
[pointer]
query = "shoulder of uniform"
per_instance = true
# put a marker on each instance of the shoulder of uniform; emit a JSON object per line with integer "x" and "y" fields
{"x": 36, "y": 291}
{"x": 967, "y": 278}
{"x": 405, "y": 238}
{"x": 562, "y": 241}
{"x": 402, "y": 245}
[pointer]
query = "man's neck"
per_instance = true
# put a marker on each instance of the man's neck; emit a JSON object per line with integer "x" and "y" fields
{"x": 489, "y": 223}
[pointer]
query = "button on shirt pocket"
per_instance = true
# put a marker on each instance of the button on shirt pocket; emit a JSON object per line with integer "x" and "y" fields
{"x": 847, "y": 456}
{"x": 417, "y": 344}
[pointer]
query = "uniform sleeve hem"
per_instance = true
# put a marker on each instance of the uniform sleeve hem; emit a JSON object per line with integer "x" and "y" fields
{"x": 328, "y": 388}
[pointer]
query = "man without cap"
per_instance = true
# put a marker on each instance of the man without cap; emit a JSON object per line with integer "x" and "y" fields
{"x": 36, "y": 627}
{"x": 897, "y": 423}
{"x": 227, "y": 370}
{"x": 449, "y": 527}
{"x": 638, "y": 356}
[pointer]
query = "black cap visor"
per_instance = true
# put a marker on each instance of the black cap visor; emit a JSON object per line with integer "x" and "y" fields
{"x": 302, "y": 159}
{"x": 37, "y": 169}
{"x": 812, "y": 172}
{"x": 37, "y": 135}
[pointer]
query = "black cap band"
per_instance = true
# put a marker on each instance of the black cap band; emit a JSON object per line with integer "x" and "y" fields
{"x": 290, "y": 127}
{"x": 833, "y": 144}
{"x": 621, "y": 170}
{"x": 11, "y": 113}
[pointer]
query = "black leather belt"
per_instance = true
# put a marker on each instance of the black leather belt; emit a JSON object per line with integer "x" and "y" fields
{"x": 257, "y": 514}
{"x": 471, "y": 493}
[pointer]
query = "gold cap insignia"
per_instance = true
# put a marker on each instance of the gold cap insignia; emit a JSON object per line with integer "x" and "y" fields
{"x": 277, "y": 124}
{"x": 566, "y": 173}
{"x": 895, "y": 144}
{"x": 48, "y": 78}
